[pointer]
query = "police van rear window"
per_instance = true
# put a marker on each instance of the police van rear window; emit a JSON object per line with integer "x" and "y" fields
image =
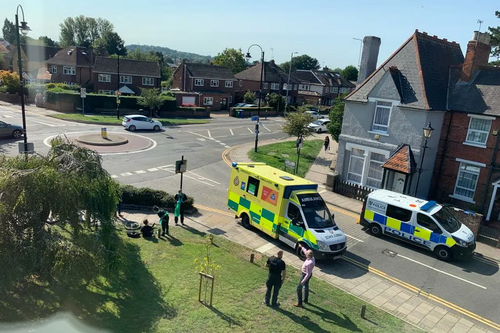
{"x": 398, "y": 213}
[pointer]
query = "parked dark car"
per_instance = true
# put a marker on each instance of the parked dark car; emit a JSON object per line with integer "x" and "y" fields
{"x": 9, "y": 130}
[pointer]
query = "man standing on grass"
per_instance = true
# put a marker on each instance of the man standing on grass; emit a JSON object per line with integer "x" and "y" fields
{"x": 276, "y": 278}
{"x": 180, "y": 198}
{"x": 163, "y": 215}
{"x": 305, "y": 277}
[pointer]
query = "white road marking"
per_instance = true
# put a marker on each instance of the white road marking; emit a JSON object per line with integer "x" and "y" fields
{"x": 250, "y": 130}
{"x": 187, "y": 176}
{"x": 126, "y": 174}
{"x": 206, "y": 137}
{"x": 140, "y": 172}
{"x": 201, "y": 139}
{"x": 153, "y": 169}
{"x": 213, "y": 139}
{"x": 266, "y": 127}
{"x": 114, "y": 176}
{"x": 218, "y": 141}
{"x": 281, "y": 125}
{"x": 227, "y": 146}
{"x": 440, "y": 271}
{"x": 265, "y": 248}
{"x": 43, "y": 123}
{"x": 223, "y": 136}
{"x": 209, "y": 135}
{"x": 222, "y": 143}
{"x": 322, "y": 191}
{"x": 213, "y": 181}
{"x": 359, "y": 240}
{"x": 8, "y": 116}
{"x": 230, "y": 130}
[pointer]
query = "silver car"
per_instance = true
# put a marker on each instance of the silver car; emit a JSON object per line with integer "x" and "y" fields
{"x": 14, "y": 131}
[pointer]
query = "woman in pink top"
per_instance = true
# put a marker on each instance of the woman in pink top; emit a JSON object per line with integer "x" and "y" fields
{"x": 306, "y": 275}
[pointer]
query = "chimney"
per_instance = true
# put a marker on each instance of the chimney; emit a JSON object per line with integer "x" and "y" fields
{"x": 325, "y": 68}
{"x": 478, "y": 54}
{"x": 369, "y": 57}
{"x": 271, "y": 61}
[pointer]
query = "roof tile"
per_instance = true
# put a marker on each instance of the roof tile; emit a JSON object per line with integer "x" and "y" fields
{"x": 401, "y": 160}
{"x": 127, "y": 66}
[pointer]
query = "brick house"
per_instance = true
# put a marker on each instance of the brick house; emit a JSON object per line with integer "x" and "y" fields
{"x": 204, "y": 85}
{"x": 71, "y": 65}
{"x": 134, "y": 75}
{"x": 321, "y": 87}
{"x": 274, "y": 80}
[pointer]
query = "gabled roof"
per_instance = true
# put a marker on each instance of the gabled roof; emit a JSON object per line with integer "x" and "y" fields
{"x": 307, "y": 76}
{"x": 272, "y": 73}
{"x": 72, "y": 56}
{"x": 401, "y": 160}
{"x": 127, "y": 66}
{"x": 207, "y": 71}
{"x": 333, "y": 79}
{"x": 35, "y": 53}
{"x": 423, "y": 63}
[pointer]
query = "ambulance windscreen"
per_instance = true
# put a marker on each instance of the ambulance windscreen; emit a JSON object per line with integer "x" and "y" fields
{"x": 315, "y": 211}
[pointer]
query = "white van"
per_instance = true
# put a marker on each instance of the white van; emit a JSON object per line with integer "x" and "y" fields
{"x": 421, "y": 222}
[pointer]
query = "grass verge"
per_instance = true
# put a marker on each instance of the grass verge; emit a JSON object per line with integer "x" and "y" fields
{"x": 273, "y": 155}
{"x": 111, "y": 120}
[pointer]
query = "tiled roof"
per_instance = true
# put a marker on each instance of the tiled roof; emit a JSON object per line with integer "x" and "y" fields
{"x": 307, "y": 76}
{"x": 272, "y": 73}
{"x": 35, "y": 53}
{"x": 480, "y": 95}
{"x": 72, "y": 55}
{"x": 423, "y": 63}
{"x": 401, "y": 160}
{"x": 333, "y": 79}
{"x": 207, "y": 71}
{"x": 127, "y": 66}
{"x": 309, "y": 93}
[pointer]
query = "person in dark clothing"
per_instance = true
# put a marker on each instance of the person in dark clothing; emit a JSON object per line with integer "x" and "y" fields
{"x": 180, "y": 198}
{"x": 275, "y": 278}
{"x": 163, "y": 215}
{"x": 146, "y": 229}
{"x": 327, "y": 143}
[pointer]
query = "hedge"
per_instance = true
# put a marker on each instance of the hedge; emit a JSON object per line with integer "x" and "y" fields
{"x": 148, "y": 197}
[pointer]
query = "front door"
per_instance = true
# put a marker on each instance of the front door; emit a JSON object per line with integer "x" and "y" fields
{"x": 398, "y": 182}
{"x": 223, "y": 104}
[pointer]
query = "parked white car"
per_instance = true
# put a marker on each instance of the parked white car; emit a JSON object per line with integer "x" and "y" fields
{"x": 319, "y": 125}
{"x": 315, "y": 114}
{"x": 139, "y": 122}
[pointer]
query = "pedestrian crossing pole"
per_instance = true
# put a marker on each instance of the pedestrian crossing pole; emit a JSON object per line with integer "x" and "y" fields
{"x": 182, "y": 173}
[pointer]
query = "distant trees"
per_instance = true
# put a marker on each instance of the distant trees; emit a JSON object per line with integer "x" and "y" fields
{"x": 336, "y": 117}
{"x": 9, "y": 31}
{"x": 249, "y": 97}
{"x": 350, "y": 73}
{"x": 166, "y": 71}
{"x": 301, "y": 62}
{"x": 495, "y": 41}
{"x": 231, "y": 58}
{"x": 151, "y": 99}
{"x": 296, "y": 123}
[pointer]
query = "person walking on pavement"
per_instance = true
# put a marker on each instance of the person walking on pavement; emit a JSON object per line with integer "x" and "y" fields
{"x": 327, "y": 143}
{"x": 275, "y": 278}
{"x": 180, "y": 198}
{"x": 305, "y": 277}
{"x": 163, "y": 215}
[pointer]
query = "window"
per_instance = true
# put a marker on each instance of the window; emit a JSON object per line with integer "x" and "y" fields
{"x": 148, "y": 81}
{"x": 126, "y": 79}
{"x": 295, "y": 86}
{"x": 104, "y": 78}
{"x": 241, "y": 83}
{"x": 107, "y": 92}
{"x": 199, "y": 82}
{"x": 253, "y": 186}
{"x": 69, "y": 83}
{"x": 53, "y": 69}
{"x": 265, "y": 85}
{"x": 275, "y": 86}
{"x": 375, "y": 172}
{"x": 69, "y": 70}
{"x": 398, "y": 213}
{"x": 468, "y": 175}
{"x": 294, "y": 212}
{"x": 208, "y": 100}
{"x": 229, "y": 84}
{"x": 356, "y": 165}
{"x": 478, "y": 131}
{"x": 286, "y": 87}
{"x": 214, "y": 83}
{"x": 303, "y": 87}
{"x": 382, "y": 115}
{"x": 335, "y": 90}
{"x": 427, "y": 222}
{"x": 230, "y": 99}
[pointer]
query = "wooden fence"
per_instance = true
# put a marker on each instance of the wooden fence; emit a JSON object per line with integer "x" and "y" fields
{"x": 350, "y": 190}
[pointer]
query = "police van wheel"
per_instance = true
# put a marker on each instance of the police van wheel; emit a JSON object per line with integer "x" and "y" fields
{"x": 375, "y": 230}
{"x": 443, "y": 253}
{"x": 245, "y": 221}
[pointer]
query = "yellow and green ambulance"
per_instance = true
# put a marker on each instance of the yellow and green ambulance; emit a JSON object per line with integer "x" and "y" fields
{"x": 285, "y": 207}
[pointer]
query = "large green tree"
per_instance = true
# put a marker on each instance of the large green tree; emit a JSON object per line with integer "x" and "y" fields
{"x": 336, "y": 117}
{"x": 231, "y": 58}
{"x": 495, "y": 40}
{"x": 301, "y": 62}
{"x": 150, "y": 98}
{"x": 296, "y": 123}
{"x": 166, "y": 71}
{"x": 350, "y": 73}
{"x": 9, "y": 31}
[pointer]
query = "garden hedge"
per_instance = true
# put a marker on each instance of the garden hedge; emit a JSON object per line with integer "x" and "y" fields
{"x": 148, "y": 197}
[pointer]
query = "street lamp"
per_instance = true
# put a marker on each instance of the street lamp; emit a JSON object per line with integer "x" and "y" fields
{"x": 360, "y": 48}
{"x": 118, "y": 48}
{"x": 427, "y": 134}
{"x": 288, "y": 81}
{"x": 24, "y": 30}
{"x": 248, "y": 56}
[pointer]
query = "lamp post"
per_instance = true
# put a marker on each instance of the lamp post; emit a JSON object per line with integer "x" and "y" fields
{"x": 248, "y": 56}
{"x": 360, "y": 48}
{"x": 118, "y": 85}
{"x": 288, "y": 81}
{"x": 427, "y": 134}
{"x": 24, "y": 30}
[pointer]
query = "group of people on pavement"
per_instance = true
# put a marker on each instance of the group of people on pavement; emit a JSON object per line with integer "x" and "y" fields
{"x": 277, "y": 274}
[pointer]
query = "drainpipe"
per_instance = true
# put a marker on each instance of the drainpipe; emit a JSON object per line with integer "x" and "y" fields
{"x": 490, "y": 172}
{"x": 445, "y": 149}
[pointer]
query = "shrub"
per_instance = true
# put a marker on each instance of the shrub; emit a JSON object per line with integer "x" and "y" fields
{"x": 249, "y": 97}
{"x": 148, "y": 197}
{"x": 61, "y": 86}
{"x": 10, "y": 81}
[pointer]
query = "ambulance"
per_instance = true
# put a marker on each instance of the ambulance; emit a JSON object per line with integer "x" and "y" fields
{"x": 285, "y": 207}
{"x": 421, "y": 222}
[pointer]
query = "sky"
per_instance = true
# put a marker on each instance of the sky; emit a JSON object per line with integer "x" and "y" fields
{"x": 323, "y": 29}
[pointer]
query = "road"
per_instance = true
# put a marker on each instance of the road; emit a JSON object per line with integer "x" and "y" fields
{"x": 464, "y": 286}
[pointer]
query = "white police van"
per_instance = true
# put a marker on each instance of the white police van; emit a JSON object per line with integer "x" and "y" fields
{"x": 421, "y": 222}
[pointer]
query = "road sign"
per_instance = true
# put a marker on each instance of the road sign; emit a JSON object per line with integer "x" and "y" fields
{"x": 255, "y": 118}
{"x": 289, "y": 164}
{"x": 83, "y": 92}
{"x": 31, "y": 148}
{"x": 180, "y": 166}
{"x": 118, "y": 92}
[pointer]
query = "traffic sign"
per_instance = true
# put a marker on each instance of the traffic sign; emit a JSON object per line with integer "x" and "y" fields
{"x": 118, "y": 92}
{"x": 180, "y": 166}
{"x": 30, "y": 146}
{"x": 83, "y": 92}
{"x": 255, "y": 118}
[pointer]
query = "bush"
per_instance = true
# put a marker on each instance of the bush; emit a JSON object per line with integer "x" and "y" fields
{"x": 61, "y": 86}
{"x": 148, "y": 197}
{"x": 10, "y": 81}
{"x": 249, "y": 97}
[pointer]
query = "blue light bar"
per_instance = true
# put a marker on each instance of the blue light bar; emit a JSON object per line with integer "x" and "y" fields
{"x": 426, "y": 207}
{"x": 234, "y": 164}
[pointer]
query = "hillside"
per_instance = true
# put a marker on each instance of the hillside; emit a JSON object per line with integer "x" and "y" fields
{"x": 174, "y": 54}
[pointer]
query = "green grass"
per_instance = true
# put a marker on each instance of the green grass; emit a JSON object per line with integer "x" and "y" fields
{"x": 273, "y": 154}
{"x": 111, "y": 120}
{"x": 156, "y": 290}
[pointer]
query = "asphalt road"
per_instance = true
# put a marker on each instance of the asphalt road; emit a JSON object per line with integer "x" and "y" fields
{"x": 473, "y": 285}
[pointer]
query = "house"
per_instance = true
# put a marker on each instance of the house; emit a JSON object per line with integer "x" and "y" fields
{"x": 4, "y": 49}
{"x": 382, "y": 131}
{"x": 133, "y": 75}
{"x": 466, "y": 171}
{"x": 274, "y": 80}
{"x": 321, "y": 87}
{"x": 33, "y": 58}
{"x": 71, "y": 65}
{"x": 204, "y": 85}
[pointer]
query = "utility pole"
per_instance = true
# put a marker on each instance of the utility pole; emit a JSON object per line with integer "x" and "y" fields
{"x": 288, "y": 81}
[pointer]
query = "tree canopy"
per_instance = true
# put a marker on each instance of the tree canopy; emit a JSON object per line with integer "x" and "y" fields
{"x": 166, "y": 71}
{"x": 350, "y": 73}
{"x": 495, "y": 40}
{"x": 231, "y": 58}
{"x": 150, "y": 98}
{"x": 301, "y": 62}
{"x": 249, "y": 97}
{"x": 296, "y": 123}
{"x": 336, "y": 117}
{"x": 9, "y": 31}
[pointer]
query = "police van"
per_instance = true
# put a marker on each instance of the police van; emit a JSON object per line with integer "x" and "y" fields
{"x": 421, "y": 222}
{"x": 285, "y": 207}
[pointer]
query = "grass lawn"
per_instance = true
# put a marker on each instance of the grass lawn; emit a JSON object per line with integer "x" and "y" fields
{"x": 111, "y": 120}
{"x": 156, "y": 290}
{"x": 273, "y": 154}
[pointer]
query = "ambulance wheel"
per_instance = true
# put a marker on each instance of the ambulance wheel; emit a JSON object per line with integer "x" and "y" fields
{"x": 375, "y": 230}
{"x": 299, "y": 252}
{"x": 443, "y": 253}
{"x": 245, "y": 221}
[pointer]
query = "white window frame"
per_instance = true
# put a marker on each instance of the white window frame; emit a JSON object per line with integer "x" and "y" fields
{"x": 228, "y": 84}
{"x": 366, "y": 160}
{"x": 148, "y": 81}
{"x": 69, "y": 70}
{"x": 104, "y": 78}
{"x": 351, "y": 156}
{"x": 199, "y": 82}
{"x": 208, "y": 101}
{"x": 287, "y": 86}
{"x": 368, "y": 170}
{"x": 375, "y": 116}
{"x": 127, "y": 77}
{"x": 214, "y": 83}
{"x": 469, "y": 131}
{"x": 471, "y": 163}
{"x": 275, "y": 86}
{"x": 53, "y": 69}
{"x": 265, "y": 85}
{"x": 304, "y": 87}
{"x": 230, "y": 99}
{"x": 335, "y": 90}
{"x": 342, "y": 90}
{"x": 295, "y": 86}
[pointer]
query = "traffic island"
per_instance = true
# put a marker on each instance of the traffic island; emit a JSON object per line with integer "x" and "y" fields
{"x": 95, "y": 139}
